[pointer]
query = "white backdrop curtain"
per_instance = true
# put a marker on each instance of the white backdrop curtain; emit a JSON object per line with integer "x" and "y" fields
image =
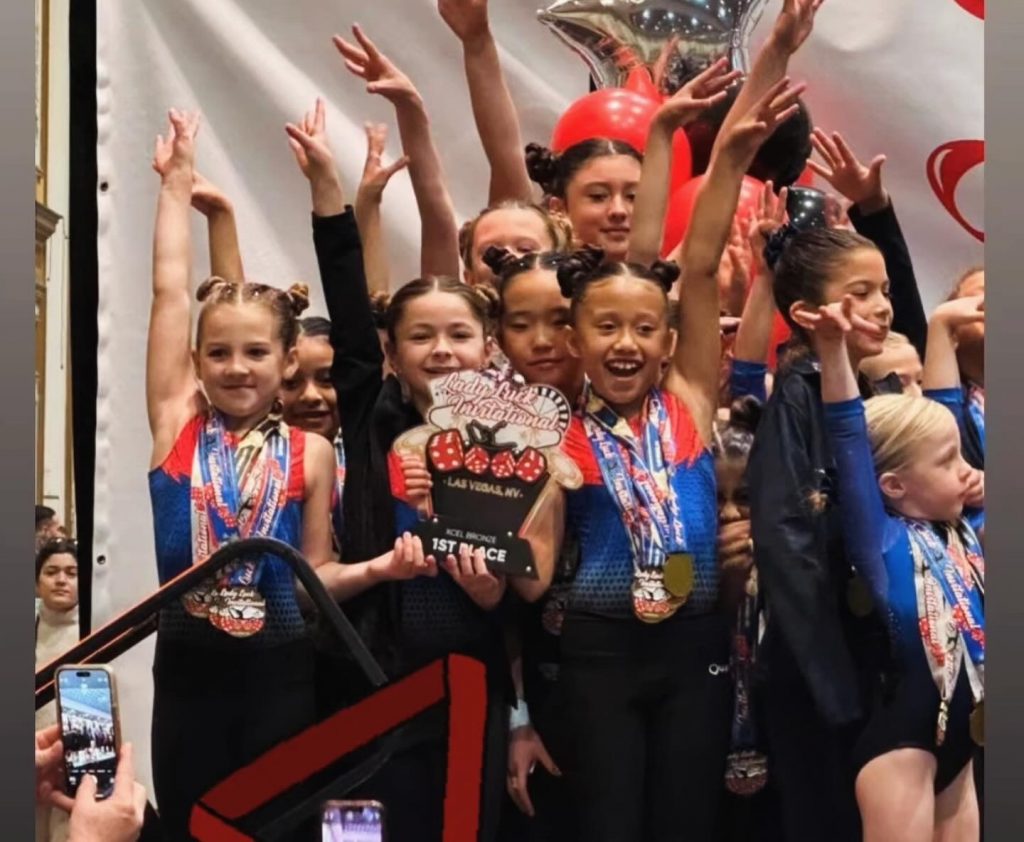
{"x": 898, "y": 77}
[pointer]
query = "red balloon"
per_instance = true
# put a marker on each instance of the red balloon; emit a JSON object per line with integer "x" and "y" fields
{"x": 806, "y": 178}
{"x": 680, "y": 207}
{"x": 614, "y": 113}
{"x": 640, "y": 82}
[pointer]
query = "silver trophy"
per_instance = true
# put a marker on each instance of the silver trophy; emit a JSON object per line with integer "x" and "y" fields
{"x": 614, "y": 37}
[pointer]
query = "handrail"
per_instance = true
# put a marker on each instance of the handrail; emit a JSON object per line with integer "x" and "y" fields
{"x": 140, "y": 621}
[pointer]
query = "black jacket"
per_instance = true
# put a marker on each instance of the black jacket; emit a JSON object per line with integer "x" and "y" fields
{"x": 801, "y": 561}
{"x": 372, "y": 415}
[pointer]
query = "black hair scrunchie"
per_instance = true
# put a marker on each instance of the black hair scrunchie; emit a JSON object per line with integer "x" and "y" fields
{"x": 776, "y": 245}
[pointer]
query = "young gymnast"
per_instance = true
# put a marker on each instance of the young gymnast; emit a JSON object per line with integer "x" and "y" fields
{"x": 644, "y": 649}
{"x": 903, "y": 483}
{"x": 218, "y": 433}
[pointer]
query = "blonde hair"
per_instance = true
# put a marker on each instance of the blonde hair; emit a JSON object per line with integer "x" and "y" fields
{"x": 897, "y": 425}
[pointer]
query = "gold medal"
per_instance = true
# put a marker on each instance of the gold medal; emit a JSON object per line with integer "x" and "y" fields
{"x": 978, "y": 723}
{"x": 679, "y": 575}
{"x": 858, "y": 597}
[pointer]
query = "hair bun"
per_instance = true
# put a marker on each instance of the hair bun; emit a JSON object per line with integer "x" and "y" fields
{"x": 542, "y": 166}
{"x": 209, "y": 286}
{"x": 379, "y": 303}
{"x": 666, "y": 272}
{"x": 298, "y": 295}
{"x": 498, "y": 259}
{"x": 775, "y": 247}
{"x": 577, "y": 267}
{"x": 745, "y": 413}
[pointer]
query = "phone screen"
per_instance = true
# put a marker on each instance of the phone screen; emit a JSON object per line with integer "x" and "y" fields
{"x": 353, "y": 823}
{"x": 87, "y": 727}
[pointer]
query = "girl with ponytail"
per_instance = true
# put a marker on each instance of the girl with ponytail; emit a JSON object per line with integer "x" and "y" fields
{"x": 645, "y": 650}
{"x": 218, "y": 437}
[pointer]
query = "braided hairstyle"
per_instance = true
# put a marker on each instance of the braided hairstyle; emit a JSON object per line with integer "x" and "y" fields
{"x": 284, "y": 305}
{"x": 582, "y": 268}
{"x": 553, "y": 172}
{"x": 482, "y": 302}
{"x": 507, "y": 266}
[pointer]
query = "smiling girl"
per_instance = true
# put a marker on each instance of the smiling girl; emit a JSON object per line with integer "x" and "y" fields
{"x": 645, "y": 651}
{"x": 218, "y": 437}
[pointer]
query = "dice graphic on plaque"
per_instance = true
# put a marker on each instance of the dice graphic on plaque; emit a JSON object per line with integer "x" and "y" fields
{"x": 492, "y": 449}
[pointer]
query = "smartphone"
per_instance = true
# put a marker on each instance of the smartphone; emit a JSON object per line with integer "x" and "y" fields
{"x": 89, "y": 725}
{"x": 353, "y": 821}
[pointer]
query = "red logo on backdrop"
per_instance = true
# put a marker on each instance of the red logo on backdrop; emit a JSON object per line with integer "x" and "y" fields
{"x": 457, "y": 680}
{"x": 975, "y": 7}
{"x": 947, "y": 166}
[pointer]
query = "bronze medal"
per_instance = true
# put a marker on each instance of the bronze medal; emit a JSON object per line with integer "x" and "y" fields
{"x": 197, "y": 602}
{"x": 978, "y": 723}
{"x": 243, "y": 612}
{"x": 858, "y": 597}
{"x": 746, "y": 772}
{"x": 679, "y": 575}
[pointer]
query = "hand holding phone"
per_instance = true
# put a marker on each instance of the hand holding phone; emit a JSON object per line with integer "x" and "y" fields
{"x": 89, "y": 726}
{"x": 118, "y": 818}
{"x": 353, "y": 821}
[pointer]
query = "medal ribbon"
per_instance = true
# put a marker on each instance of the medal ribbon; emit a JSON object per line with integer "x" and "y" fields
{"x": 242, "y": 490}
{"x": 949, "y": 579}
{"x": 744, "y": 658}
{"x": 337, "y": 518}
{"x": 638, "y": 475}
{"x": 976, "y": 408}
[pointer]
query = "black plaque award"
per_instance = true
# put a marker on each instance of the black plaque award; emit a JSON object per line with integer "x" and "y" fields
{"x": 492, "y": 449}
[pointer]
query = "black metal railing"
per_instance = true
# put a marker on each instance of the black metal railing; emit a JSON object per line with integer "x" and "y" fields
{"x": 138, "y": 622}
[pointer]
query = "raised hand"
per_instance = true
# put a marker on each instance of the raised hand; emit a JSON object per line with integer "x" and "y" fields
{"x": 469, "y": 570}
{"x": 466, "y": 18}
{"x": 794, "y": 23}
{"x": 771, "y": 215}
{"x": 861, "y": 184}
{"x": 745, "y": 136}
{"x": 174, "y": 152}
{"x": 367, "y": 62}
{"x": 207, "y": 198}
{"x": 375, "y": 175}
{"x": 308, "y": 142}
{"x": 697, "y": 95}
{"x": 960, "y": 311}
{"x": 832, "y": 322}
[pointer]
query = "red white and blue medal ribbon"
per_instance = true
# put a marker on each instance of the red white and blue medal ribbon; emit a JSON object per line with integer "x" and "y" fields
{"x": 637, "y": 471}
{"x": 239, "y": 490}
{"x": 949, "y": 578}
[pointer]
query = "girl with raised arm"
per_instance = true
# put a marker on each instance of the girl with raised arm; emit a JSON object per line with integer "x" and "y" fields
{"x": 903, "y": 482}
{"x": 218, "y": 437}
{"x": 433, "y": 326}
{"x": 644, "y": 647}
